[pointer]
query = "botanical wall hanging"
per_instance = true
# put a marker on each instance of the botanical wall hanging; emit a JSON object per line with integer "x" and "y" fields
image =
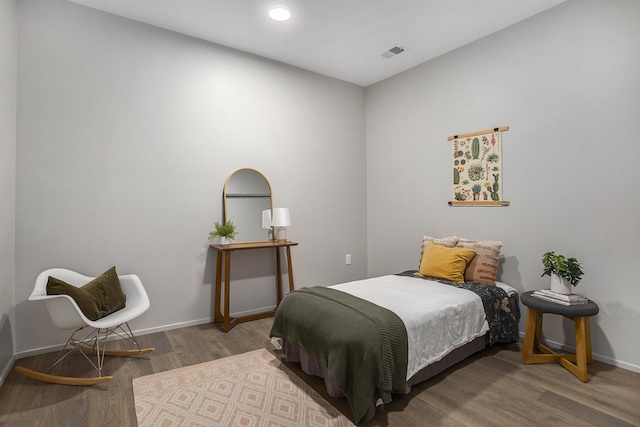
{"x": 477, "y": 168}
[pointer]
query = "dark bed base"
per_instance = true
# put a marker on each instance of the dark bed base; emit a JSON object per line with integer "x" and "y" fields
{"x": 312, "y": 366}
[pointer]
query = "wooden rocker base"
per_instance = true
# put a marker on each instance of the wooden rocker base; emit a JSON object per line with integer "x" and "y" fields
{"x": 56, "y": 379}
{"x": 120, "y": 353}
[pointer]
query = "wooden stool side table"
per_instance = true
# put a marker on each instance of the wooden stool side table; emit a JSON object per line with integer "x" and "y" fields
{"x": 574, "y": 363}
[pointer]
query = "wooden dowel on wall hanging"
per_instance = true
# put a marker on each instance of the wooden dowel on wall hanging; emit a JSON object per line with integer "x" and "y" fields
{"x": 482, "y": 132}
{"x": 478, "y": 203}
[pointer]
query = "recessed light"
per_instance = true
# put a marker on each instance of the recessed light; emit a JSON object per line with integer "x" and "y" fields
{"x": 279, "y": 14}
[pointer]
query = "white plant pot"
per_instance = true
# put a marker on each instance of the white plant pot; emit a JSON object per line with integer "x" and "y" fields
{"x": 560, "y": 285}
{"x": 223, "y": 241}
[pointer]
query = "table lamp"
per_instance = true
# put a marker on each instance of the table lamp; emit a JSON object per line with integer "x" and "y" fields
{"x": 281, "y": 219}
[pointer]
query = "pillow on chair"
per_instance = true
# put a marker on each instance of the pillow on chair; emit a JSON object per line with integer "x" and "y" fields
{"x": 98, "y": 298}
{"x": 106, "y": 289}
{"x": 88, "y": 304}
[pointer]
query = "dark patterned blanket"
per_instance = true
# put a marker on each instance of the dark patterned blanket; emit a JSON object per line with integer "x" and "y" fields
{"x": 502, "y": 314}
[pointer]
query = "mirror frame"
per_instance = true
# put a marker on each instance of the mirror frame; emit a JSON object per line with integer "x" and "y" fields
{"x": 225, "y": 213}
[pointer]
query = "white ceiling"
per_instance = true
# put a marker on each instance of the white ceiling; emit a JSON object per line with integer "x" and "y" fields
{"x": 338, "y": 38}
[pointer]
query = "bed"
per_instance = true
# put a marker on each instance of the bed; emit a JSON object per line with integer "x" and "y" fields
{"x": 372, "y": 338}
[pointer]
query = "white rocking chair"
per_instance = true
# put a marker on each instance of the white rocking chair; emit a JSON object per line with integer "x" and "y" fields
{"x": 65, "y": 314}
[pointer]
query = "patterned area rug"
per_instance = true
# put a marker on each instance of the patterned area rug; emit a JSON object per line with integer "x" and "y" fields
{"x": 250, "y": 389}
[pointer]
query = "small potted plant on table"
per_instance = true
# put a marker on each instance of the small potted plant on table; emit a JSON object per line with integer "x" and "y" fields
{"x": 224, "y": 232}
{"x": 565, "y": 272}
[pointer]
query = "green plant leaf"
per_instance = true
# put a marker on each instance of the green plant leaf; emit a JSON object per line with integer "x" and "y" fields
{"x": 569, "y": 268}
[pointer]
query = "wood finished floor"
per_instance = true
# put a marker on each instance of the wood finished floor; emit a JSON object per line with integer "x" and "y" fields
{"x": 492, "y": 388}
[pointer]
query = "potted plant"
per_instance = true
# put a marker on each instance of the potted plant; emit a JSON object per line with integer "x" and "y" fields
{"x": 224, "y": 232}
{"x": 565, "y": 272}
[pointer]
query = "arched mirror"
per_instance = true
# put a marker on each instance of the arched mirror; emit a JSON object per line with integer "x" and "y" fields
{"x": 246, "y": 194}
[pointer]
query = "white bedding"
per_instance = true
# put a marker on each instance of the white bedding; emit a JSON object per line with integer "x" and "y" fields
{"x": 439, "y": 318}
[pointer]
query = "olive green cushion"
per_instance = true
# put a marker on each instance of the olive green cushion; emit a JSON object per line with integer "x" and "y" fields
{"x": 107, "y": 290}
{"x": 98, "y": 298}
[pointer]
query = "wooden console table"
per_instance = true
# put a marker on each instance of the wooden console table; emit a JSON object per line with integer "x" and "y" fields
{"x": 224, "y": 251}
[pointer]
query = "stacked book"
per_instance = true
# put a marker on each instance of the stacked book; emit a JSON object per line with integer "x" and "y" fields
{"x": 563, "y": 299}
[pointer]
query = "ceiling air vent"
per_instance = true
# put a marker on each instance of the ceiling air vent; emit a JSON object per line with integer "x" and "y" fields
{"x": 392, "y": 52}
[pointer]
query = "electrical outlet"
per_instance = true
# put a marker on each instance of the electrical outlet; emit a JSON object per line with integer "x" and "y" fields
{"x": 348, "y": 259}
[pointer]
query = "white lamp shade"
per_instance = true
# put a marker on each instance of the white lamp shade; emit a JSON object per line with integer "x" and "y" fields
{"x": 281, "y": 217}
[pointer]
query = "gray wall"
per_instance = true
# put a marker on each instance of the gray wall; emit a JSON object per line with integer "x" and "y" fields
{"x": 126, "y": 135}
{"x": 566, "y": 83}
{"x": 8, "y": 84}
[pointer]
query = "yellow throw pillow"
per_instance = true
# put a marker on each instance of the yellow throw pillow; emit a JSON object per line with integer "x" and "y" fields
{"x": 449, "y": 242}
{"x": 445, "y": 263}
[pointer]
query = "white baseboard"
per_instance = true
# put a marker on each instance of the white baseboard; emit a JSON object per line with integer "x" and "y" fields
{"x": 57, "y": 347}
{"x": 138, "y": 332}
{"x": 598, "y": 357}
{"x": 250, "y": 312}
{"x": 6, "y": 369}
{"x": 199, "y": 322}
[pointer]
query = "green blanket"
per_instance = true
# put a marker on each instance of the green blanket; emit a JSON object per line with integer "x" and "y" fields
{"x": 362, "y": 345}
